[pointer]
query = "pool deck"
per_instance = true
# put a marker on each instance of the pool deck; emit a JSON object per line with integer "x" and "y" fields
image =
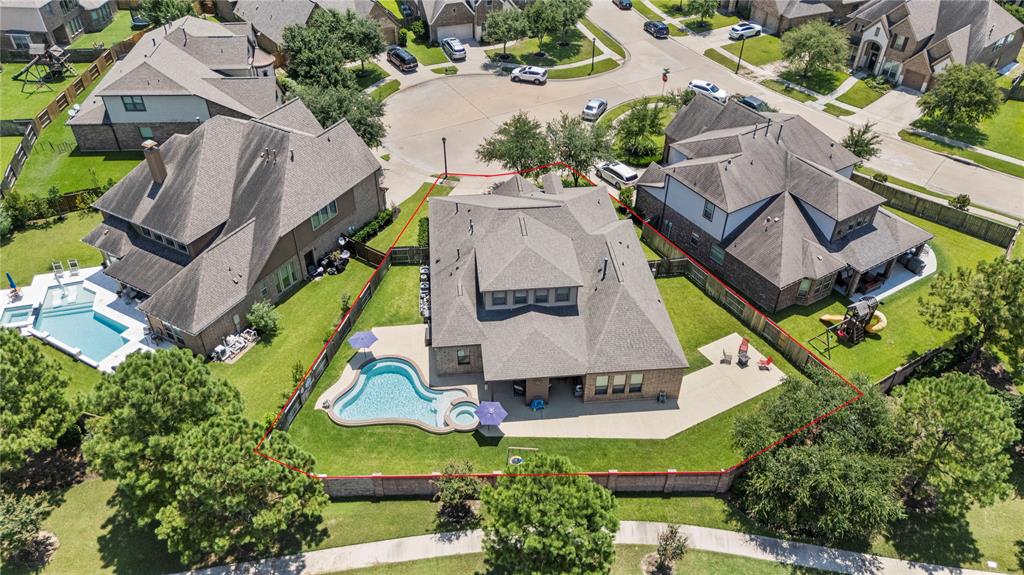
{"x": 107, "y": 302}
{"x": 704, "y": 394}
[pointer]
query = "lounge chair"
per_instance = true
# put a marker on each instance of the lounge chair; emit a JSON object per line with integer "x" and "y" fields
{"x": 58, "y": 269}
{"x": 250, "y": 335}
{"x": 744, "y": 356}
{"x": 73, "y": 266}
{"x": 14, "y": 295}
{"x": 765, "y": 363}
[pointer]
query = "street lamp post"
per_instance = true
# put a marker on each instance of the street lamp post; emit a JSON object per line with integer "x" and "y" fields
{"x": 444, "y": 149}
{"x": 740, "y": 59}
{"x": 593, "y": 53}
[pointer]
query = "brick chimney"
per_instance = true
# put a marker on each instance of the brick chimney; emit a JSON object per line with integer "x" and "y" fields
{"x": 155, "y": 161}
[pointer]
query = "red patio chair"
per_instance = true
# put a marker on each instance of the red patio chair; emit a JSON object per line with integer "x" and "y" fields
{"x": 764, "y": 363}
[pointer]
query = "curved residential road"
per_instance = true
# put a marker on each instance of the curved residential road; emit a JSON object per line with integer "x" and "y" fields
{"x": 468, "y": 107}
{"x": 630, "y": 533}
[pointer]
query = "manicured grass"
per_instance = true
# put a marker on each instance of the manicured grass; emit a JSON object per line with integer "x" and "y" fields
{"x": 525, "y": 51}
{"x": 837, "y": 111}
{"x": 387, "y": 236}
{"x": 605, "y": 38}
{"x": 642, "y": 7}
{"x": 392, "y": 5}
{"x": 674, "y": 30}
{"x": 382, "y": 92}
{"x": 118, "y": 29}
{"x": 609, "y": 117}
{"x": 353, "y": 522}
{"x": 1004, "y": 130}
{"x": 81, "y": 378}
{"x": 976, "y": 157}
{"x": 904, "y": 183}
{"x": 19, "y": 100}
{"x": 716, "y": 56}
{"x": 907, "y": 333}
{"x": 7, "y": 146}
{"x": 31, "y": 251}
{"x": 582, "y": 70}
{"x": 860, "y": 95}
{"x": 718, "y": 21}
{"x": 763, "y": 49}
{"x": 264, "y": 374}
{"x": 445, "y": 70}
{"x": 425, "y": 54}
{"x": 368, "y": 75}
{"x": 787, "y": 91}
{"x": 820, "y": 82}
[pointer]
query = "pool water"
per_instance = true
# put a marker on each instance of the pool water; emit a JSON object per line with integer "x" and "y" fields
{"x": 464, "y": 414}
{"x": 19, "y": 314}
{"x": 67, "y": 315}
{"x": 391, "y": 389}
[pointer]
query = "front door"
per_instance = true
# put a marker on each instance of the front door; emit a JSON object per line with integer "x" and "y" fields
{"x": 310, "y": 260}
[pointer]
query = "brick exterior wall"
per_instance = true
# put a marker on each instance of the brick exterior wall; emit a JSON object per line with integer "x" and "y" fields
{"x": 655, "y": 382}
{"x": 447, "y": 361}
{"x": 218, "y": 110}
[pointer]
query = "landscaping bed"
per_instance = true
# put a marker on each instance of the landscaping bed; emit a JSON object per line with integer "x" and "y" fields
{"x": 577, "y": 47}
{"x": 763, "y": 49}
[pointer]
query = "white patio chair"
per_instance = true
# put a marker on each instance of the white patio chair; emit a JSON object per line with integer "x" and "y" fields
{"x": 58, "y": 269}
{"x": 73, "y": 266}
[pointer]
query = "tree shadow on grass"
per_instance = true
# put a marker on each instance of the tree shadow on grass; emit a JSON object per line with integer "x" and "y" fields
{"x": 967, "y": 134}
{"x": 127, "y": 548}
{"x": 934, "y": 538}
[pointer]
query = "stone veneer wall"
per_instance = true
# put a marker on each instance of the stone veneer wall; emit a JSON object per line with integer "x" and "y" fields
{"x": 447, "y": 360}
{"x": 655, "y": 382}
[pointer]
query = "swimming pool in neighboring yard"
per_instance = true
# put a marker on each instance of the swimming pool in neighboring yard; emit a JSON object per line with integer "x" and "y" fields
{"x": 68, "y": 316}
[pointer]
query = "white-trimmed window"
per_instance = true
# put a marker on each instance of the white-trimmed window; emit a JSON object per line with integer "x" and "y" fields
{"x": 709, "y": 210}
{"x": 520, "y": 297}
{"x": 619, "y": 383}
{"x": 462, "y": 357}
{"x": 145, "y": 133}
{"x": 636, "y": 382}
{"x": 20, "y": 41}
{"x": 324, "y": 215}
{"x": 540, "y": 296}
{"x": 805, "y": 286}
{"x": 133, "y": 103}
{"x": 601, "y": 385}
{"x": 898, "y": 42}
{"x": 285, "y": 277}
{"x": 562, "y": 294}
{"x": 717, "y": 254}
{"x": 499, "y": 298}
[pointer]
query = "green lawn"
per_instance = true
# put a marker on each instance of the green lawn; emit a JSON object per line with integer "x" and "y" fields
{"x": 582, "y": 70}
{"x": 976, "y": 157}
{"x": 605, "y": 38}
{"x": 642, "y": 7}
{"x": 674, "y": 30}
{"x": 381, "y": 93}
{"x": 904, "y": 183}
{"x": 263, "y": 374}
{"x": 717, "y": 56}
{"x": 698, "y": 27}
{"x": 392, "y": 5}
{"x": 368, "y": 76}
{"x": 387, "y": 236}
{"x": 821, "y": 82}
{"x": 577, "y": 48}
{"x": 907, "y": 333}
{"x": 119, "y": 29}
{"x": 837, "y": 111}
{"x": 426, "y": 55}
{"x": 19, "y": 100}
{"x": 7, "y": 146}
{"x": 860, "y": 95}
{"x": 31, "y": 251}
{"x": 763, "y": 49}
{"x": 787, "y": 91}
{"x": 1003, "y": 131}
{"x": 445, "y": 70}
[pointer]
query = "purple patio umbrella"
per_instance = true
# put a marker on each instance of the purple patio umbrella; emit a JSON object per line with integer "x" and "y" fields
{"x": 491, "y": 413}
{"x": 362, "y": 340}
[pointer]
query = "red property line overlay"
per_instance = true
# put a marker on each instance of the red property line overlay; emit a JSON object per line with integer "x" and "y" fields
{"x": 815, "y": 421}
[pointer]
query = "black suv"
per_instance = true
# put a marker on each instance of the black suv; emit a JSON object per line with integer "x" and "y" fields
{"x": 402, "y": 59}
{"x": 656, "y": 28}
{"x": 623, "y": 4}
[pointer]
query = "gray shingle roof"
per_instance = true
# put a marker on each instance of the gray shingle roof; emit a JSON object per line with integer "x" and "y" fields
{"x": 148, "y": 266}
{"x": 704, "y": 113}
{"x": 619, "y": 322}
{"x": 832, "y": 194}
{"x": 270, "y": 17}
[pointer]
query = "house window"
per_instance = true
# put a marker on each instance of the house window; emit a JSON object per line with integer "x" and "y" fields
{"x": 67, "y": 5}
{"x": 898, "y": 42}
{"x": 133, "y": 103}
{"x": 709, "y": 210}
{"x": 75, "y": 25}
{"x": 285, "y": 277}
{"x": 520, "y": 297}
{"x": 174, "y": 333}
{"x": 462, "y": 357}
{"x": 146, "y": 233}
{"x": 20, "y": 41}
{"x": 324, "y": 215}
{"x": 636, "y": 382}
{"x": 48, "y": 9}
{"x": 146, "y": 133}
{"x": 823, "y": 285}
{"x": 717, "y": 254}
{"x": 619, "y": 384}
{"x": 499, "y": 298}
{"x": 562, "y": 294}
{"x": 695, "y": 238}
{"x": 601, "y": 385}
{"x": 540, "y": 296}
{"x": 805, "y": 286}
{"x": 264, "y": 292}
{"x": 158, "y": 237}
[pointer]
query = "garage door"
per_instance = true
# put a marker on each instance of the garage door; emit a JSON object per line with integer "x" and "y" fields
{"x": 914, "y": 80}
{"x": 461, "y": 31}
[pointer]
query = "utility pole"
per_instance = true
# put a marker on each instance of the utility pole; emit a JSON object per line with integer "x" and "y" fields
{"x": 740, "y": 59}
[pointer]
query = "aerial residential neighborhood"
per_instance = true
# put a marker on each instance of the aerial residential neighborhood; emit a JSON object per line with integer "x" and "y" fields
{"x": 511, "y": 286}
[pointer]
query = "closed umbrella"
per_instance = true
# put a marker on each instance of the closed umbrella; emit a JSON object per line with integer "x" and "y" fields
{"x": 10, "y": 281}
{"x": 491, "y": 413}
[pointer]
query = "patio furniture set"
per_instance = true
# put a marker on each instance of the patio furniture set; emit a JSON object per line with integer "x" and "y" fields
{"x": 233, "y": 345}
{"x": 743, "y": 357}
{"x": 425, "y": 292}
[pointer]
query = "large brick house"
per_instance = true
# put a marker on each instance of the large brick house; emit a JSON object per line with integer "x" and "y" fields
{"x": 232, "y": 213}
{"x": 778, "y": 16}
{"x": 533, "y": 288}
{"x": 175, "y": 78}
{"x": 462, "y": 19}
{"x": 271, "y": 17}
{"x": 50, "y": 22}
{"x": 765, "y": 201}
{"x": 909, "y": 41}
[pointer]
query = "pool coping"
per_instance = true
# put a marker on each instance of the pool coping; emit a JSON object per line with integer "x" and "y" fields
{"x": 328, "y": 404}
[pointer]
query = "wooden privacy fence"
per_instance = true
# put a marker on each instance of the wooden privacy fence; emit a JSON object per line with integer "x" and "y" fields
{"x": 974, "y": 225}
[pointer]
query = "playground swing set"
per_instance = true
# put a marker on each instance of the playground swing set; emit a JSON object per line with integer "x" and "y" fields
{"x": 861, "y": 318}
{"x": 47, "y": 66}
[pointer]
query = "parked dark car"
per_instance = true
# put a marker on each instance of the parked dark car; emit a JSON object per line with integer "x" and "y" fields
{"x": 755, "y": 103}
{"x": 656, "y": 28}
{"x": 405, "y": 9}
{"x": 623, "y": 4}
{"x": 402, "y": 59}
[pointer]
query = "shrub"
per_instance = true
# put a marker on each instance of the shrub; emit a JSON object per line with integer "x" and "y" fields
{"x": 423, "y": 233}
{"x": 6, "y": 225}
{"x": 403, "y": 40}
{"x": 20, "y": 517}
{"x": 264, "y": 318}
{"x": 962, "y": 202}
{"x": 880, "y": 177}
{"x": 626, "y": 199}
{"x": 374, "y": 226}
{"x": 671, "y": 548}
{"x": 418, "y": 29}
{"x": 455, "y": 489}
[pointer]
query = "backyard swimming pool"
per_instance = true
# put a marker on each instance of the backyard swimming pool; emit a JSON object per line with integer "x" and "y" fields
{"x": 389, "y": 390}
{"x": 67, "y": 315}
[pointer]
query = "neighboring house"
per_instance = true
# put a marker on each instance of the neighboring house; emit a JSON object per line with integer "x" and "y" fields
{"x": 176, "y": 77}
{"x": 462, "y": 19}
{"x": 777, "y": 16}
{"x": 270, "y": 17}
{"x": 50, "y": 22}
{"x": 909, "y": 41}
{"x": 765, "y": 202}
{"x": 536, "y": 288}
{"x": 233, "y": 213}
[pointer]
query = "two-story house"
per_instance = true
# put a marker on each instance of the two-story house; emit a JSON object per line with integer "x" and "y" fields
{"x": 271, "y": 17}
{"x": 50, "y": 22}
{"x": 230, "y": 214}
{"x": 765, "y": 202}
{"x": 174, "y": 79}
{"x": 462, "y": 19}
{"x": 778, "y": 16}
{"x": 534, "y": 288}
{"x": 909, "y": 41}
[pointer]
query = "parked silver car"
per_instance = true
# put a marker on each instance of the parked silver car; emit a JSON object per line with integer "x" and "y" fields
{"x": 594, "y": 108}
{"x": 454, "y": 49}
{"x": 534, "y": 74}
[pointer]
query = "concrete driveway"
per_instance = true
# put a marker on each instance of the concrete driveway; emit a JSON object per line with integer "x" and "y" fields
{"x": 894, "y": 111}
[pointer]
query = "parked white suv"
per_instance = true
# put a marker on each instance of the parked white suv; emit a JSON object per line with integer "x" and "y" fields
{"x": 618, "y": 174}
{"x": 710, "y": 89}
{"x": 744, "y": 30}
{"x": 454, "y": 49}
{"x": 534, "y": 74}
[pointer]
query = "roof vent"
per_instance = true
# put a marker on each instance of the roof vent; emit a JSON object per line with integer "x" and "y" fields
{"x": 291, "y": 152}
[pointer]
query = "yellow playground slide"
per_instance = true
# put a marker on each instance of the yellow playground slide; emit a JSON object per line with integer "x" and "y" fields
{"x": 877, "y": 323}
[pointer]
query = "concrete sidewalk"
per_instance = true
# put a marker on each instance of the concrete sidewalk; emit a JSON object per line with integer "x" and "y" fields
{"x": 630, "y": 533}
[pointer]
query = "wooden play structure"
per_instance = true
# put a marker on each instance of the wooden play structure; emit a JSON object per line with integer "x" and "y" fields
{"x": 862, "y": 317}
{"x": 47, "y": 66}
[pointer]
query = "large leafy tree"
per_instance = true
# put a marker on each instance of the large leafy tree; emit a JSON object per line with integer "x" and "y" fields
{"x": 160, "y": 12}
{"x": 544, "y": 18}
{"x": 578, "y": 144}
{"x": 986, "y": 303}
{"x": 566, "y": 13}
{"x": 20, "y": 518}
{"x": 703, "y": 9}
{"x": 544, "y": 521}
{"x": 506, "y": 26}
{"x": 863, "y": 141}
{"x": 963, "y": 96}
{"x": 228, "y": 502}
{"x": 815, "y": 47}
{"x": 960, "y": 431}
{"x": 316, "y": 52}
{"x": 519, "y": 144}
{"x": 636, "y": 130}
{"x": 330, "y": 105}
{"x": 150, "y": 399}
{"x": 33, "y": 411}
{"x": 360, "y": 38}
